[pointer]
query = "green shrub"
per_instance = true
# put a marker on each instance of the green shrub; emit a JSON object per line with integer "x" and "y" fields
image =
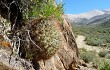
{"x": 42, "y": 9}
{"x": 47, "y": 36}
{"x": 83, "y": 50}
{"x": 87, "y": 56}
{"x": 97, "y": 61}
{"x": 107, "y": 56}
{"x": 105, "y": 65}
{"x": 103, "y": 53}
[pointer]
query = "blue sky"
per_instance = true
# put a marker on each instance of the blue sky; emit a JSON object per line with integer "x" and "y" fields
{"x": 81, "y": 6}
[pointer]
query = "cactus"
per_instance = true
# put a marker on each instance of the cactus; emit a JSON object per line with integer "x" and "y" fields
{"x": 47, "y": 35}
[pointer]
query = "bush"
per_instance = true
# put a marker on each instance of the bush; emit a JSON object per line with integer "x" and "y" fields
{"x": 87, "y": 56}
{"x": 103, "y": 53}
{"x": 107, "y": 56}
{"x": 47, "y": 36}
{"x": 105, "y": 65}
{"x": 42, "y": 9}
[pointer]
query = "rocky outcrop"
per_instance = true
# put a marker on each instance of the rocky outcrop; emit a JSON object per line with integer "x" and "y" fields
{"x": 12, "y": 62}
{"x": 65, "y": 59}
{"x": 67, "y": 56}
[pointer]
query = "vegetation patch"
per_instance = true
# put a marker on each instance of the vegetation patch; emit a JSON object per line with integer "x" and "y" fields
{"x": 87, "y": 56}
{"x": 105, "y": 65}
{"x": 107, "y": 56}
{"x": 103, "y": 53}
{"x": 96, "y": 35}
{"x": 46, "y": 9}
{"x": 39, "y": 37}
{"x": 46, "y": 39}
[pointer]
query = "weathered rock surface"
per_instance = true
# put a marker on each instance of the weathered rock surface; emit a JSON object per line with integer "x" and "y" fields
{"x": 65, "y": 59}
{"x": 67, "y": 56}
{"x": 15, "y": 63}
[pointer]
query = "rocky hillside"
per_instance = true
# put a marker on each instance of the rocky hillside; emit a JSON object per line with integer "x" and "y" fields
{"x": 36, "y": 36}
{"x": 65, "y": 59}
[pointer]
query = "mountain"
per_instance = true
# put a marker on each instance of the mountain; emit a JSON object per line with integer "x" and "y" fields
{"x": 99, "y": 19}
{"x": 91, "y": 17}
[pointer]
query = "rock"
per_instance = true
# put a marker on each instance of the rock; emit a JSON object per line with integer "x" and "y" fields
{"x": 82, "y": 63}
{"x": 82, "y": 68}
{"x": 95, "y": 66}
{"x": 67, "y": 56}
{"x": 15, "y": 63}
{"x": 4, "y": 67}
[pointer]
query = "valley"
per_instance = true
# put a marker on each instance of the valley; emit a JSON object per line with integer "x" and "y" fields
{"x": 96, "y": 35}
{"x": 92, "y": 33}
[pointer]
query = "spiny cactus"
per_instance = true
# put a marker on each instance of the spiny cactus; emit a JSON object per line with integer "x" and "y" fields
{"x": 47, "y": 35}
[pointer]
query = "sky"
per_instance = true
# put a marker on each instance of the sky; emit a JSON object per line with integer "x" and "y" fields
{"x": 81, "y": 6}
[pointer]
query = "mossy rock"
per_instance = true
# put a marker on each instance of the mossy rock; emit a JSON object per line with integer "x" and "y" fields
{"x": 47, "y": 35}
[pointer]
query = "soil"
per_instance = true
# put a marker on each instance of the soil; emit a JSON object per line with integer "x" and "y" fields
{"x": 81, "y": 44}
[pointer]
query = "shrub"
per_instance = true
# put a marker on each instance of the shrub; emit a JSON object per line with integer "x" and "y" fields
{"x": 97, "y": 61}
{"x": 103, "y": 53}
{"x": 47, "y": 36}
{"x": 87, "y": 56}
{"x": 105, "y": 65}
{"x": 41, "y": 9}
{"x": 107, "y": 56}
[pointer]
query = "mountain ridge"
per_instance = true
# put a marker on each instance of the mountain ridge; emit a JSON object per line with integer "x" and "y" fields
{"x": 91, "y": 17}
